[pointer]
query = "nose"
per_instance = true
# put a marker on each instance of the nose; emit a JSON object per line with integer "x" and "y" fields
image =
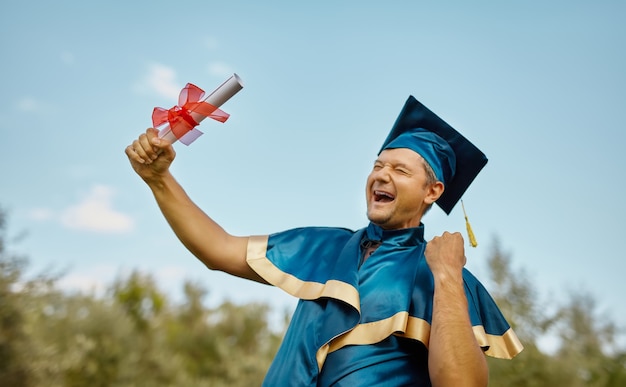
{"x": 381, "y": 174}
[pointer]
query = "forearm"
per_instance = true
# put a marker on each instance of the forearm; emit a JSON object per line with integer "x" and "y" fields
{"x": 200, "y": 234}
{"x": 455, "y": 358}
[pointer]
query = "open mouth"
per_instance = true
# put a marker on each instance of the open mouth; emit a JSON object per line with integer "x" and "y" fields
{"x": 383, "y": 197}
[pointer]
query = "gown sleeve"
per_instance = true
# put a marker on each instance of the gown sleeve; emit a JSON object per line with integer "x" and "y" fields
{"x": 303, "y": 262}
{"x": 492, "y": 331}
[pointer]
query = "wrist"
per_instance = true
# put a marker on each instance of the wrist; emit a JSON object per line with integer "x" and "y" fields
{"x": 448, "y": 276}
{"x": 158, "y": 181}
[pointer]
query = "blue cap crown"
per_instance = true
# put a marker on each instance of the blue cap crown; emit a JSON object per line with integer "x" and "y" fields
{"x": 437, "y": 153}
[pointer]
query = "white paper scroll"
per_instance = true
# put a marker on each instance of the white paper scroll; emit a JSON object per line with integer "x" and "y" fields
{"x": 218, "y": 97}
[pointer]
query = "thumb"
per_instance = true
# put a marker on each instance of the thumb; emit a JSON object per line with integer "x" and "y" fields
{"x": 165, "y": 148}
{"x": 161, "y": 146}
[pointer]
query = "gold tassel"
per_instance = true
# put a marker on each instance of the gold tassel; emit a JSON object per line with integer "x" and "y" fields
{"x": 470, "y": 233}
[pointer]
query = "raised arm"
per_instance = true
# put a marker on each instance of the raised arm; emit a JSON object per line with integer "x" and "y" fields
{"x": 151, "y": 158}
{"x": 454, "y": 356}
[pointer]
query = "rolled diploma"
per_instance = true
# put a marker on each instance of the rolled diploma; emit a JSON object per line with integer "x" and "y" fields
{"x": 220, "y": 95}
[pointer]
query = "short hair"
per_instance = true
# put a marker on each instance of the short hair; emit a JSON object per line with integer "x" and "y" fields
{"x": 431, "y": 178}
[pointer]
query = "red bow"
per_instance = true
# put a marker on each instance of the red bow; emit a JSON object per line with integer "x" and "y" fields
{"x": 179, "y": 117}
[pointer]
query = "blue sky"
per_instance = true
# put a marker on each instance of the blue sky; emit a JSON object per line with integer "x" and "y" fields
{"x": 538, "y": 86}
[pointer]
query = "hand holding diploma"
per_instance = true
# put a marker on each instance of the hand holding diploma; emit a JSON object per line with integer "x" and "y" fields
{"x": 183, "y": 118}
{"x": 152, "y": 153}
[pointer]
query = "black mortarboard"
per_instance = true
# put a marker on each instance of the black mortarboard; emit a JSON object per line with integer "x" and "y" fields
{"x": 455, "y": 160}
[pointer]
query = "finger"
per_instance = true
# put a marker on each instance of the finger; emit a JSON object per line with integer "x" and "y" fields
{"x": 152, "y": 131}
{"x": 140, "y": 151}
{"x": 161, "y": 146}
{"x": 152, "y": 136}
{"x": 151, "y": 152}
{"x": 132, "y": 154}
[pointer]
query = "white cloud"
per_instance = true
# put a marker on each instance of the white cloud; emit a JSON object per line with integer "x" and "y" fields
{"x": 28, "y": 104}
{"x": 220, "y": 69}
{"x": 211, "y": 43}
{"x": 95, "y": 213}
{"x": 94, "y": 281}
{"x": 67, "y": 58}
{"x": 160, "y": 79}
{"x": 41, "y": 214}
{"x": 79, "y": 171}
{"x": 170, "y": 274}
{"x": 98, "y": 279}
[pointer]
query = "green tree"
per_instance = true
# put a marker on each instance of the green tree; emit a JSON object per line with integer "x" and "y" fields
{"x": 139, "y": 297}
{"x": 13, "y": 340}
{"x": 584, "y": 352}
{"x": 588, "y": 344}
{"x": 130, "y": 336}
{"x": 519, "y": 302}
{"x": 230, "y": 345}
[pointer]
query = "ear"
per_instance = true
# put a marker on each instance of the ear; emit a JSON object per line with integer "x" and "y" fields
{"x": 434, "y": 191}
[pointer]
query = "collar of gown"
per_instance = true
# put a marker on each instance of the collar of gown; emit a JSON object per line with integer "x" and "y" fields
{"x": 401, "y": 237}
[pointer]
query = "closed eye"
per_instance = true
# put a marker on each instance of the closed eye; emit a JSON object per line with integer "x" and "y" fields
{"x": 403, "y": 171}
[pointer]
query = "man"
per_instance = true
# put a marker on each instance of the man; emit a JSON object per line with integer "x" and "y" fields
{"x": 378, "y": 306}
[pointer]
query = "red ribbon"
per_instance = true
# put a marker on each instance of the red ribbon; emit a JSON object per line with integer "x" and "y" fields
{"x": 179, "y": 117}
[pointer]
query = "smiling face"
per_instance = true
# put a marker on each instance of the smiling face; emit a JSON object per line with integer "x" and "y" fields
{"x": 398, "y": 189}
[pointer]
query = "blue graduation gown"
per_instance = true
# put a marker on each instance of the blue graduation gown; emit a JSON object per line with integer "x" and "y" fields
{"x": 348, "y": 309}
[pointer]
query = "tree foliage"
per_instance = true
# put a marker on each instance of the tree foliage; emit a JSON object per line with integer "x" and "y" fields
{"x": 583, "y": 350}
{"x": 13, "y": 338}
{"x": 132, "y": 336}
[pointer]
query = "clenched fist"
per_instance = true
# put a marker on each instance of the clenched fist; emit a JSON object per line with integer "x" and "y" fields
{"x": 445, "y": 255}
{"x": 150, "y": 156}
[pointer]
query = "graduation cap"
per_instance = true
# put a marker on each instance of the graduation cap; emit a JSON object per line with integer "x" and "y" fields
{"x": 455, "y": 160}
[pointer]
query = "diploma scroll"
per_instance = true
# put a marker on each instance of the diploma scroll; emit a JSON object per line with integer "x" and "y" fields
{"x": 218, "y": 97}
